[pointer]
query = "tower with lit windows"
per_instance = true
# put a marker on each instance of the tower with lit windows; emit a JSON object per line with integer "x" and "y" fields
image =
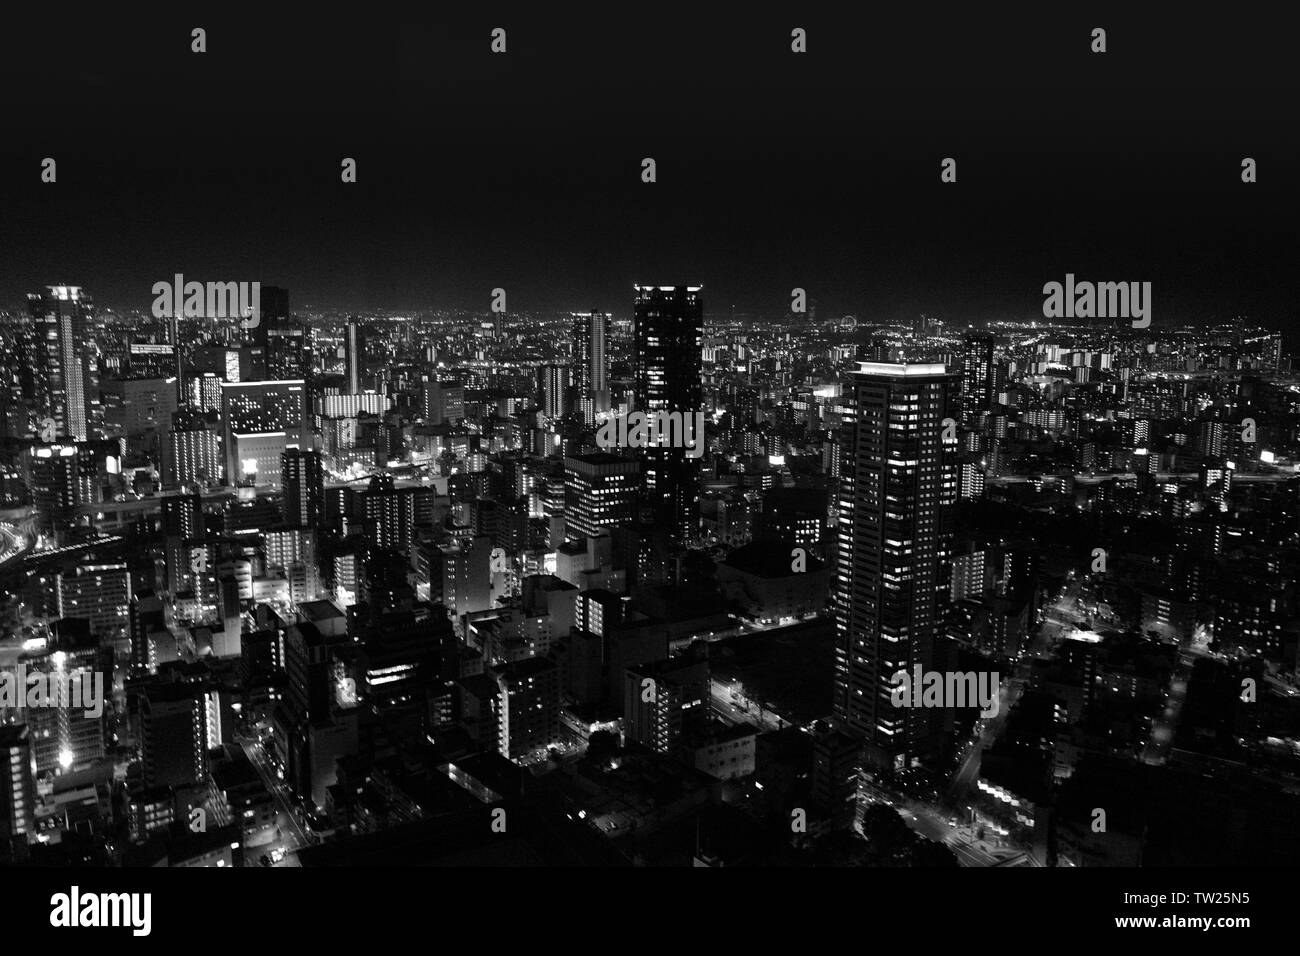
{"x": 895, "y": 493}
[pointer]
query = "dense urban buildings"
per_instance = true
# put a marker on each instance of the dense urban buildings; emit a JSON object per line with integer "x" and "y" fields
{"x": 957, "y": 569}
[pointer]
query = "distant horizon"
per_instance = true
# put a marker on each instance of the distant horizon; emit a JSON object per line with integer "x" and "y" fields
{"x": 711, "y": 313}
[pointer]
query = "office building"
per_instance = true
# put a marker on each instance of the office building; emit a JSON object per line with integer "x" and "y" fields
{"x": 285, "y": 344}
{"x": 260, "y": 420}
{"x": 978, "y": 376}
{"x": 667, "y": 356}
{"x": 591, "y": 359}
{"x": 174, "y": 733}
{"x": 600, "y": 491}
{"x": 893, "y": 536}
{"x": 53, "y": 483}
{"x": 302, "y": 481}
{"x": 56, "y": 374}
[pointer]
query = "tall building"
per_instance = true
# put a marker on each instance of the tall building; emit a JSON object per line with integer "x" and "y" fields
{"x": 978, "y": 375}
{"x": 665, "y": 701}
{"x": 17, "y": 793}
{"x": 528, "y": 705}
{"x": 55, "y": 373}
{"x": 174, "y": 733}
{"x": 553, "y": 383}
{"x": 67, "y": 737}
{"x": 354, "y": 348}
{"x": 302, "y": 478}
{"x": 283, "y": 340}
{"x": 260, "y": 420}
{"x": 183, "y": 530}
{"x": 148, "y": 624}
{"x": 893, "y": 539}
{"x": 600, "y": 491}
{"x": 591, "y": 358}
{"x": 1213, "y": 441}
{"x": 203, "y": 392}
{"x": 1272, "y": 352}
{"x": 391, "y": 513}
{"x": 467, "y": 575}
{"x": 53, "y": 485}
{"x": 668, "y": 341}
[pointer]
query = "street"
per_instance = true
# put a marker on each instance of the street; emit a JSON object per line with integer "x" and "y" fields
{"x": 291, "y": 834}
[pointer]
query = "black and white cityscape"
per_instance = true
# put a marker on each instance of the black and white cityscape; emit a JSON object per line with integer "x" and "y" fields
{"x": 436, "y": 462}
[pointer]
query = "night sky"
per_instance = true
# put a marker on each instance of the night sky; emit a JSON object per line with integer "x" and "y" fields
{"x": 775, "y": 170}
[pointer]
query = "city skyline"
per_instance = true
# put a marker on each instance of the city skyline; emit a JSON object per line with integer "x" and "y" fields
{"x": 840, "y": 449}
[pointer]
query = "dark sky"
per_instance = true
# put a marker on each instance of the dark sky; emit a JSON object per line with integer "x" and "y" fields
{"x": 775, "y": 170}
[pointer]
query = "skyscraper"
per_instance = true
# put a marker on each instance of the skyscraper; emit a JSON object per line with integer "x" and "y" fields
{"x": 553, "y": 383}
{"x": 283, "y": 340}
{"x": 668, "y": 340}
{"x": 354, "y": 347}
{"x": 591, "y": 358}
{"x": 303, "y": 480}
{"x": 54, "y": 374}
{"x": 893, "y": 538}
{"x": 978, "y": 376}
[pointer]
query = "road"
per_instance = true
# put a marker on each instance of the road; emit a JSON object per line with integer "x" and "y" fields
{"x": 968, "y": 771}
{"x": 1061, "y": 615}
{"x": 961, "y": 839}
{"x": 727, "y": 710}
{"x": 13, "y": 543}
{"x": 1165, "y": 727}
{"x": 286, "y": 819}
